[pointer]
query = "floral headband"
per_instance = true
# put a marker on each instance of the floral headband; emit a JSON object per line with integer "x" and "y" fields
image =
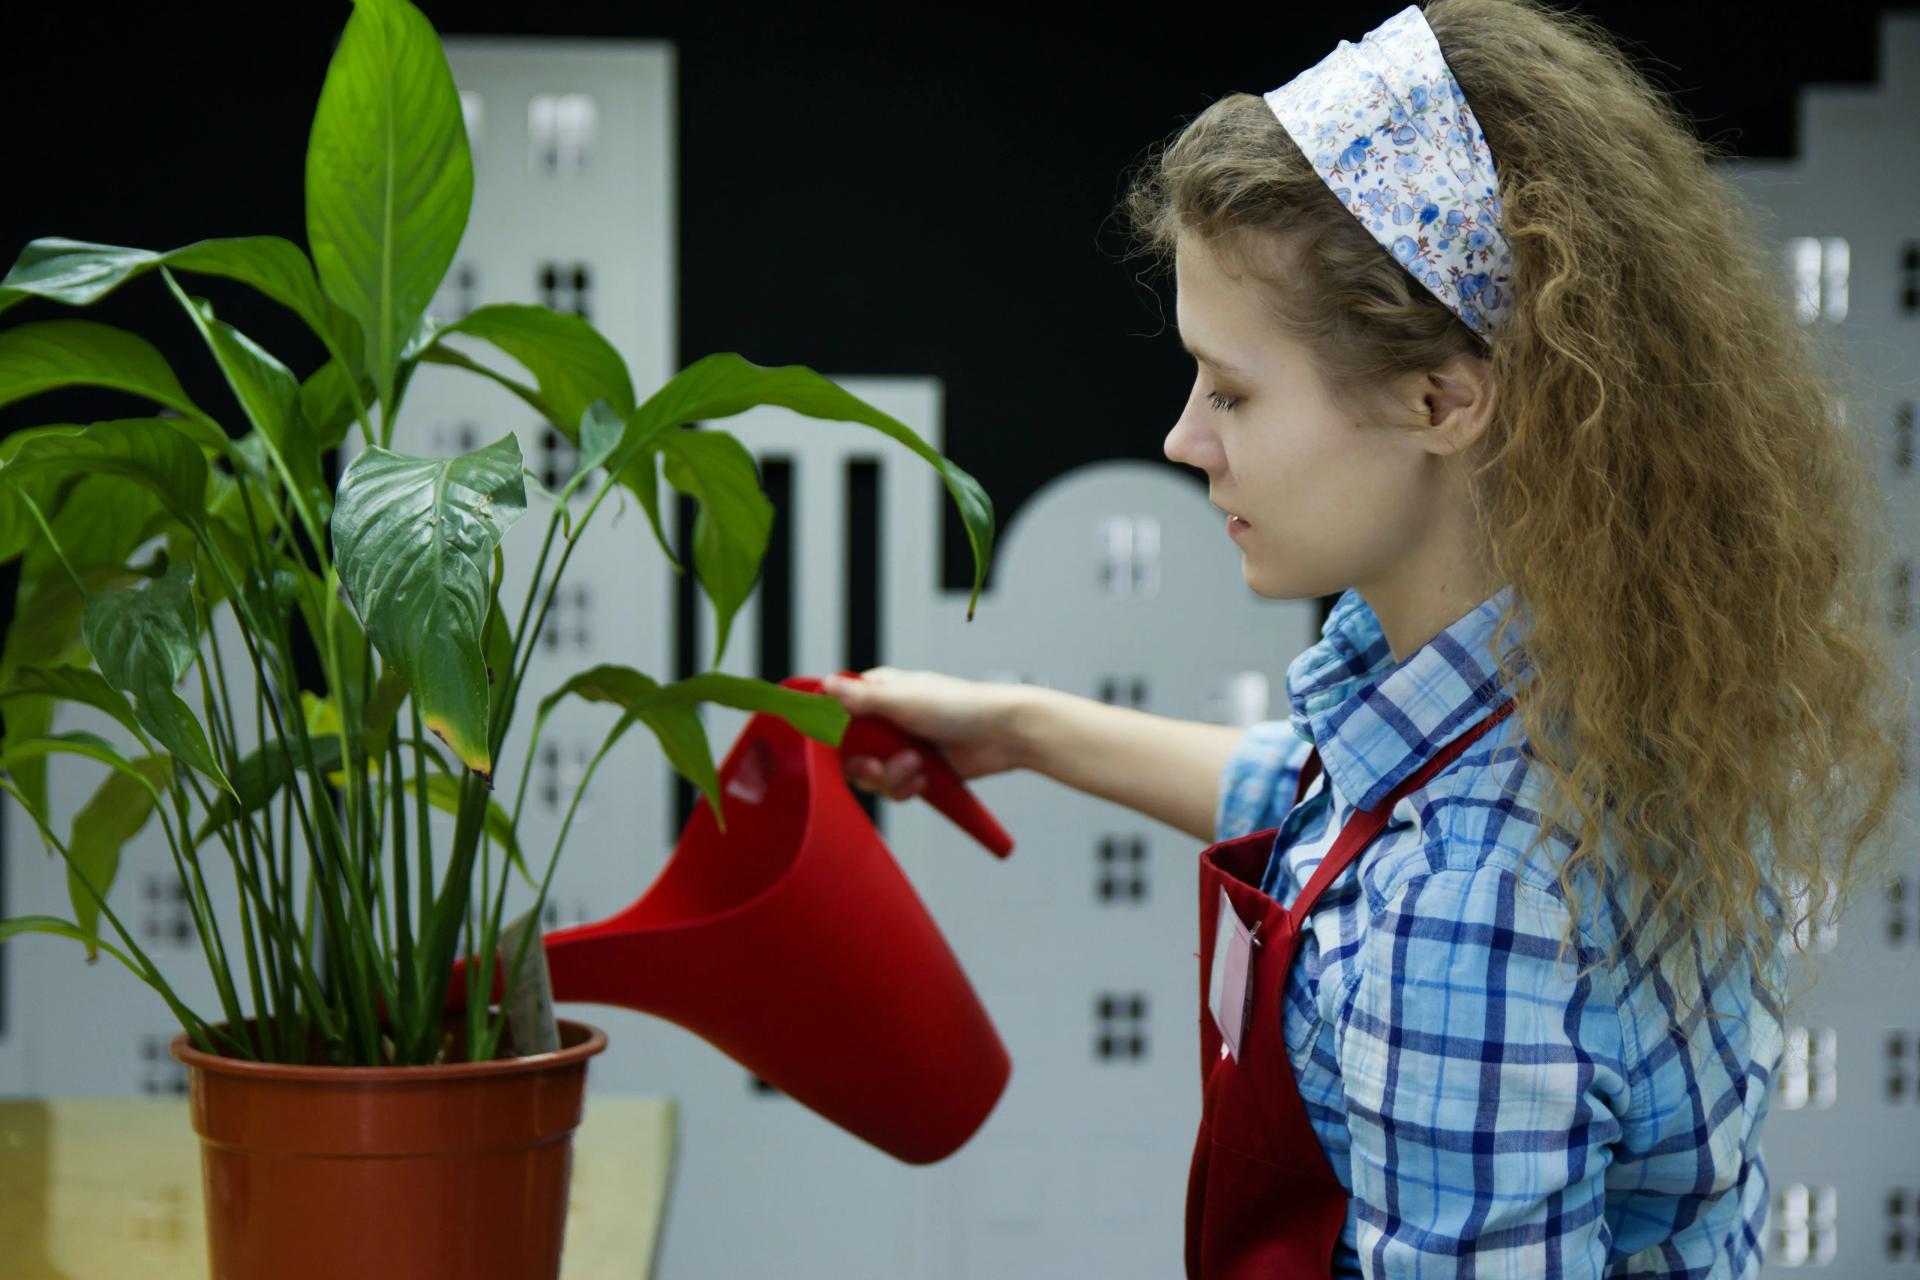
{"x": 1388, "y": 129}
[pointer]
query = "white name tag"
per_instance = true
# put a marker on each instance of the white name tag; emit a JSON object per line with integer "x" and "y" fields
{"x": 1230, "y": 985}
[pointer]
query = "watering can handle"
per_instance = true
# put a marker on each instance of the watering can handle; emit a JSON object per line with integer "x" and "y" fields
{"x": 879, "y": 736}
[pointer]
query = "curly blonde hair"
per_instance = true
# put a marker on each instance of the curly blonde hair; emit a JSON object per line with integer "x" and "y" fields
{"x": 1667, "y": 480}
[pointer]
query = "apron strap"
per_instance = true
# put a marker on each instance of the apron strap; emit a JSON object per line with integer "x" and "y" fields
{"x": 1365, "y": 824}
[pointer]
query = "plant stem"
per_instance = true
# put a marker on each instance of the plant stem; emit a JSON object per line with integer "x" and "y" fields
{"x": 512, "y": 695}
{"x": 53, "y": 543}
{"x": 366, "y": 1024}
{"x": 202, "y": 906}
{"x": 371, "y": 813}
{"x": 319, "y": 884}
{"x": 480, "y": 964}
{"x": 553, "y": 859}
{"x": 450, "y": 905}
{"x": 201, "y": 912}
{"x": 248, "y": 883}
{"x": 425, "y": 851}
{"x": 369, "y": 963}
{"x": 284, "y": 953}
{"x": 522, "y": 641}
{"x": 299, "y": 976}
{"x": 316, "y": 1006}
{"x": 402, "y": 905}
{"x": 353, "y": 388}
{"x": 242, "y": 876}
{"x": 280, "y": 983}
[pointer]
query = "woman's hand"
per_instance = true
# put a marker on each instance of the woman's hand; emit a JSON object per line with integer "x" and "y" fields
{"x": 972, "y": 722}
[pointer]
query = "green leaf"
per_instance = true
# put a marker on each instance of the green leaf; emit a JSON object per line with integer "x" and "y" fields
{"x": 412, "y": 542}
{"x": 535, "y": 487}
{"x": 18, "y": 529}
{"x": 258, "y": 777}
{"x": 389, "y": 691}
{"x": 572, "y": 364}
{"x": 601, "y": 430}
{"x": 47, "y": 355}
{"x": 269, "y": 394}
{"x": 71, "y": 684}
{"x": 226, "y": 529}
{"x": 144, "y": 639}
{"x": 443, "y": 793}
{"x": 76, "y": 272}
{"x": 389, "y": 177}
{"x": 281, "y": 270}
{"x": 115, "y": 814}
{"x": 75, "y": 743}
{"x": 350, "y": 644}
{"x": 724, "y": 384}
{"x": 145, "y": 450}
{"x": 117, "y": 811}
{"x": 54, "y": 925}
{"x": 642, "y": 476}
{"x": 819, "y": 716}
{"x": 79, "y": 273}
{"x": 45, "y": 629}
{"x": 683, "y": 740}
{"x": 575, "y": 365}
{"x": 250, "y": 457}
{"x": 433, "y": 353}
{"x": 733, "y": 524}
{"x": 30, "y": 718}
{"x": 101, "y": 521}
{"x": 327, "y": 404}
{"x": 332, "y": 626}
{"x": 668, "y": 710}
{"x": 672, "y": 720}
{"x": 496, "y": 637}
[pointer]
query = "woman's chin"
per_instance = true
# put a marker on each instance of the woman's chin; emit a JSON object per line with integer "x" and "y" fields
{"x": 1261, "y": 581}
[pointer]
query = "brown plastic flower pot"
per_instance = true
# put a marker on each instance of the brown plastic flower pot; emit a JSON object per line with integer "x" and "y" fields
{"x": 458, "y": 1170}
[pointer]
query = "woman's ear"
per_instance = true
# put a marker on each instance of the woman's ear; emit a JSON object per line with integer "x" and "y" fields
{"x": 1459, "y": 401}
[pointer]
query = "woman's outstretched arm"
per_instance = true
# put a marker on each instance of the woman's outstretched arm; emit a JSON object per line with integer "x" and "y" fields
{"x": 1167, "y": 769}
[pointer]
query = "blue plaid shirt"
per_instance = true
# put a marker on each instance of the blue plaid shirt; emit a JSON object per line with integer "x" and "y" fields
{"x": 1488, "y": 1114}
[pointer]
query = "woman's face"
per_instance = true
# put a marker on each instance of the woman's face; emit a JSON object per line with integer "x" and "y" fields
{"x": 1331, "y": 503}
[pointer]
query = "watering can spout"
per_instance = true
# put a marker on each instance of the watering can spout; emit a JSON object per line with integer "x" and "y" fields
{"x": 794, "y": 944}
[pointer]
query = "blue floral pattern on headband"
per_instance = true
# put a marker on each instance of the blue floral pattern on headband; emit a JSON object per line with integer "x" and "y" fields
{"x": 1388, "y": 129}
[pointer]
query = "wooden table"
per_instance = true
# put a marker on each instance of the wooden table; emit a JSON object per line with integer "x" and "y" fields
{"x": 106, "y": 1187}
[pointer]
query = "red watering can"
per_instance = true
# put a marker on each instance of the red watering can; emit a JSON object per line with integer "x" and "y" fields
{"x": 795, "y": 945}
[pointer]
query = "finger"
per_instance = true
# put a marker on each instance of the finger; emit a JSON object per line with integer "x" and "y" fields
{"x": 902, "y": 767}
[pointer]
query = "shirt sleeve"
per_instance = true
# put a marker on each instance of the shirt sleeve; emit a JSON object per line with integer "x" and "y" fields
{"x": 1482, "y": 1082}
{"x": 1256, "y": 787}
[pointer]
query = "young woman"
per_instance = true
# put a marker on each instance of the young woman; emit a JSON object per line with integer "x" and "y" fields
{"x": 1602, "y": 711}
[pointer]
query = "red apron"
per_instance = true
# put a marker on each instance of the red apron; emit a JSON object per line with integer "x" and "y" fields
{"x": 1263, "y": 1203}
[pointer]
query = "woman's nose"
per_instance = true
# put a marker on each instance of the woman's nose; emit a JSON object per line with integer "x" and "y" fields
{"x": 1182, "y": 441}
{"x": 1171, "y": 446}
{"x": 1178, "y": 439}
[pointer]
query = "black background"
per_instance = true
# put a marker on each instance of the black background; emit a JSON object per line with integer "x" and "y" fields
{"x": 862, "y": 193}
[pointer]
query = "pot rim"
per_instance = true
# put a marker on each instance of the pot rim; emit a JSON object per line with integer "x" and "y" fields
{"x": 592, "y": 1040}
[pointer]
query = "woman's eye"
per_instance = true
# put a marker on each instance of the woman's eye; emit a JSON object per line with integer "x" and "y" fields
{"x": 1223, "y": 403}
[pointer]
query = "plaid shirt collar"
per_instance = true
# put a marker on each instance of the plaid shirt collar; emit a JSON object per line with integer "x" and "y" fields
{"x": 1375, "y": 722}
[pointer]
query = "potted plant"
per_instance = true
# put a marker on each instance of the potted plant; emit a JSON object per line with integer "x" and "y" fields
{"x": 346, "y": 1115}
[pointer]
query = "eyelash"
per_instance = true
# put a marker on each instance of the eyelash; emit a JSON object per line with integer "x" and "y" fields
{"x": 1216, "y": 397}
